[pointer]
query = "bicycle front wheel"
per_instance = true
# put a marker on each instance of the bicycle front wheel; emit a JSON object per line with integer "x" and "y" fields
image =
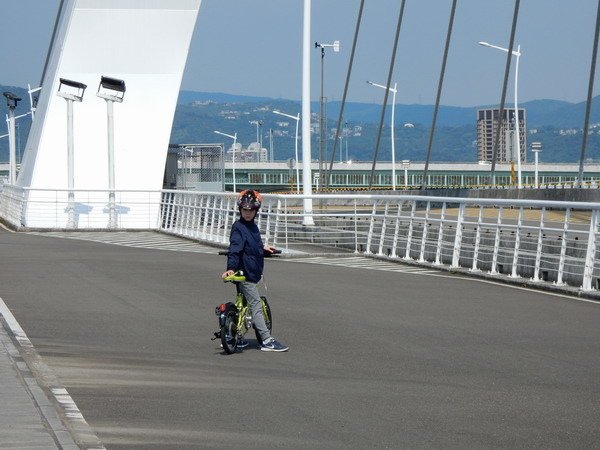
{"x": 229, "y": 333}
{"x": 266, "y": 310}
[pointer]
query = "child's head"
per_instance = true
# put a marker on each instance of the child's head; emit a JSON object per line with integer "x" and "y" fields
{"x": 249, "y": 202}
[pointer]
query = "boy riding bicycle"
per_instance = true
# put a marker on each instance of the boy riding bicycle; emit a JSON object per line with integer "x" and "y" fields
{"x": 246, "y": 253}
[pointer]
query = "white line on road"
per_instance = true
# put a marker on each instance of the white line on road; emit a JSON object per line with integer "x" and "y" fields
{"x": 70, "y": 409}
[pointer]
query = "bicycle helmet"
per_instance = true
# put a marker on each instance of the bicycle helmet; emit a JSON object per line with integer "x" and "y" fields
{"x": 249, "y": 199}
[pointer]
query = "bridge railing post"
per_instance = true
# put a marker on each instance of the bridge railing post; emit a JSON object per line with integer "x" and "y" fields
{"x": 517, "y": 244}
{"x": 458, "y": 236}
{"x": 424, "y": 235}
{"x": 213, "y": 217}
{"x": 590, "y": 256}
{"x": 474, "y": 266}
{"x": 440, "y": 236}
{"x": 538, "y": 251}
{"x": 494, "y": 270}
{"x": 383, "y": 226}
{"x": 397, "y": 229}
{"x": 371, "y": 227}
{"x": 204, "y": 214}
{"x": 563, "y": 248}
{"x": 355, "y": 226}
{"x": 410, "y": 229}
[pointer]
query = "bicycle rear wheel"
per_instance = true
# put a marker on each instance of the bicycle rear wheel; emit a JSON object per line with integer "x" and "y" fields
{"x": 229, "y": 333}
{"x": 266, "y": 310}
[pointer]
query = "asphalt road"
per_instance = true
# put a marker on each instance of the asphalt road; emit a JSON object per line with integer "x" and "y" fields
{"x": 377, "y": 359}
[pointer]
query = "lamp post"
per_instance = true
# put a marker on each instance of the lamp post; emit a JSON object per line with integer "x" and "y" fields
{"x": 234, "y": 137}
{"x": 33, "y": 100}
{"x": 12, "y": 101}
{"x": 187, "y": 167}
{"x": 322, "y": 118}
{"x": 393, "y": 91}
{"x": 347, "y": 133}
{"x": 405, "y": 165}
{"x": 71, "y": 91}
{"x": 536, "y": 147}
{"x": 297, "y": 119}
{"x": 112, "y": 90}
{"x": 307, "y": 219}
{"x": 516, "y": 53}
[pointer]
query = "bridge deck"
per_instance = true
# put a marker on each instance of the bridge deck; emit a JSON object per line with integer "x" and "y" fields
{"x": 380, "y": 355}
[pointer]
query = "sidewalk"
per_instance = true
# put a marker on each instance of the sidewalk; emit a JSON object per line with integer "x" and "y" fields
{"x": 27, "y": 417}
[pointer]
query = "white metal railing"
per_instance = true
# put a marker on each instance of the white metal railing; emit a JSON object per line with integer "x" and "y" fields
{"x": 538, "y": 240}
{"x": 90, "y": 209}
{"x": 543, "y": 241}
{"x": 11, "y": 204}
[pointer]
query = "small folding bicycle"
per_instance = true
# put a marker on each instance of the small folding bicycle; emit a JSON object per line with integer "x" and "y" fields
{"x": 235, "y": 318}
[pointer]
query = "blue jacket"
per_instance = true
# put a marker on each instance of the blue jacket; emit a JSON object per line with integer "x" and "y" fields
{"x": 246, "y": 250}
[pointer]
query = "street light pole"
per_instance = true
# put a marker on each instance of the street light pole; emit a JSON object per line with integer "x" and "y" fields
{"x": 112, "y": 90}
{"x": 306, "y": 150}
{"x": 536, "y": 147}
{"x": 393, "y": 91}
{"x": 297, "y": 119}
{"x": 71, "y": 91}
{"x": 322, "y": 118}
{"x": 12, "y": 101}
{"x": 234, "y": 137}
{"x": 516, "y": 53}
{"x": 405, "y": 164}
{"x": 347, "y": 135}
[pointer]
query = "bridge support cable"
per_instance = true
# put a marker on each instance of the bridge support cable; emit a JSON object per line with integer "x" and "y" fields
{"x": 588, "y": 104}
{"x": 509, "y": 54}
{"x": 341, "y": 115}
{"x": 439, "y": 93}
{"x": 387, "y": 91}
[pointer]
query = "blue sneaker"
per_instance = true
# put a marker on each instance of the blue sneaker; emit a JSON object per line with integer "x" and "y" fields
{"x": 271, "y": 345}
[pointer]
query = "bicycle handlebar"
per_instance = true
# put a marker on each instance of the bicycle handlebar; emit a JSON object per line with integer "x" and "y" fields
{"x": 236, "y": 277}
{"x": 267, "y": 254}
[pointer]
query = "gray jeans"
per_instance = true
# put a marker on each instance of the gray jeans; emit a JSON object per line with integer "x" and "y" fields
{"x": 250, "y": 291}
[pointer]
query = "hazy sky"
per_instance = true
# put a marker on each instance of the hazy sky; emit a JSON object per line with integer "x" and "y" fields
{"x": 253, "y": 47}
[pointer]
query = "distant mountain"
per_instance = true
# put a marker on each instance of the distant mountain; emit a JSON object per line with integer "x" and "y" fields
{"x": 557, "y": 124}
{"x": 186, "y": 97}
{"x": 540, "y": 113}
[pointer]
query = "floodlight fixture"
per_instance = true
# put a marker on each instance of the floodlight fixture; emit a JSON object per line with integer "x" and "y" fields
{"x": 71, "y": 90}
{"x": 111, "y": 89}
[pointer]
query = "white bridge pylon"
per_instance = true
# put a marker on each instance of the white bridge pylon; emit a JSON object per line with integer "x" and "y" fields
{"x": 142, "y": 43}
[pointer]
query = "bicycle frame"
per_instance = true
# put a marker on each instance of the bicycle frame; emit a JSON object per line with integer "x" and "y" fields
{"x": 236, "y": 318}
